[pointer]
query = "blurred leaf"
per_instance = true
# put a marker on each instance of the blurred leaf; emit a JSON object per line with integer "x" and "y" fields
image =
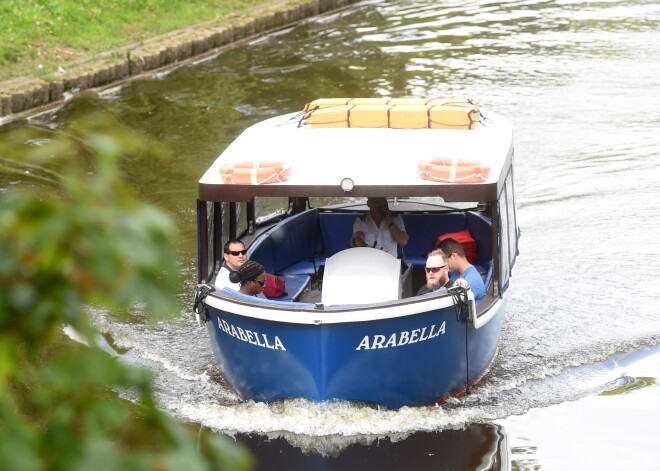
{"x": 73, "y": 236}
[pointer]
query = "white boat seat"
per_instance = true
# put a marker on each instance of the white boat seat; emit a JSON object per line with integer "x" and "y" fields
{"x": 361, "y": 275}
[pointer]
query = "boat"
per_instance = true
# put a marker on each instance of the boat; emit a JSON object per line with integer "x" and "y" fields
{"x": 349, "y": 326}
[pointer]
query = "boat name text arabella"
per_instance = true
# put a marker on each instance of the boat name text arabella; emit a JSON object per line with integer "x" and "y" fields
{"x": 398, "y": 340}
{"x": 368, "y": 342}
{"x": 249, "y": 336}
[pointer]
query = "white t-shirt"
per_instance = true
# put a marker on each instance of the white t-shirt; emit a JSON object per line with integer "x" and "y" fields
{"x": 381, "y": 236}
{"x": 222, "y": 280}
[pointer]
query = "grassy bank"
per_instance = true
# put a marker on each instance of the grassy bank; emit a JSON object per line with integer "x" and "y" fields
{"x": 39, "y": 36}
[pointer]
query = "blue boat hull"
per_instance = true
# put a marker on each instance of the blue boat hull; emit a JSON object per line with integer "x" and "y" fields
{"x": 408, "y": 360}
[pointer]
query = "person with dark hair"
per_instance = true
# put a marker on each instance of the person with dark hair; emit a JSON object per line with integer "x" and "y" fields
{"x": 379, "y": 228}
{"x": 251, "y": 277}
{"x": 462, "y": 269}
{"x": 234, "y": 256}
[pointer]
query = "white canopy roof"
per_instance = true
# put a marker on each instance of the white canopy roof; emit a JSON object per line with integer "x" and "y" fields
{"x": 380, "y": 161}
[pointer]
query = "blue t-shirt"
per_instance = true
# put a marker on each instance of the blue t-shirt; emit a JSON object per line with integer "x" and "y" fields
{"x": 472, "y": 276}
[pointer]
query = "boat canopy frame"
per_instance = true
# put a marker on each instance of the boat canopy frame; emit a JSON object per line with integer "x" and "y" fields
{"x": 217, "y": 225}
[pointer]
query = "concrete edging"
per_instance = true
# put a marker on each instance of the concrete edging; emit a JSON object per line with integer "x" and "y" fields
{"x": 28, "y": 95}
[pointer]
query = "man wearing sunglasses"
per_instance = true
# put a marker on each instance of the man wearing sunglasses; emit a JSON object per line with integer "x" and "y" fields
{"x": 437, "y": 273}
{"x": 462, "y": 269}
{"x": 235, "y": 256}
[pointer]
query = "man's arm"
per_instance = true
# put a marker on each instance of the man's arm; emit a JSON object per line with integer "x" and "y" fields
{"x": 398, "y": 234}
{"x": 358, "y": 239}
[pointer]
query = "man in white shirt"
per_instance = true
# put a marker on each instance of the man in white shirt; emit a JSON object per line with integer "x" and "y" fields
{"x": 379, "y": 229}
{"x": 235, "y": 256}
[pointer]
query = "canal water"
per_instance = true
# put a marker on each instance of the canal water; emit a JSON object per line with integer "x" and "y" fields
{"x": 574, "y": 385}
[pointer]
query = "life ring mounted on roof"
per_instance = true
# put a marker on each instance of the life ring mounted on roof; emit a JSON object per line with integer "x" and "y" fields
{"x": 453, "y": 170}
{"x": 255, "y": 172}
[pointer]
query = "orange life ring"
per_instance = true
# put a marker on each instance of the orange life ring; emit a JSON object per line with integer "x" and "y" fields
{"x": 453, "y": 170}
{"x": 256, "y": 172}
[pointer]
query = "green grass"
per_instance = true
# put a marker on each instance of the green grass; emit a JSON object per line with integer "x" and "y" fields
{"x": 38, "y": 36}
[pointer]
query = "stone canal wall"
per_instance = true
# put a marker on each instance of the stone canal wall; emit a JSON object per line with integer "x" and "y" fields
{"x": 28, "y": 95}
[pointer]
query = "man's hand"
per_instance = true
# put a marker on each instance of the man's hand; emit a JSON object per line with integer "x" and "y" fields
{"x": 462, "y": 283}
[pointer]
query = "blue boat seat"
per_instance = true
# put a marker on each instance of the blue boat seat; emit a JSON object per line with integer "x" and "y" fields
{"x": 336, "y": 231}
{"x": 305, "y": 267}
{"x": 424, "y": 229}
{"x": 480, "y": 229}
{"x": 302, "y": 241}
{"x": 295, "y": 285}
{"x": 486, "y": 271}
{"x": 291, "y": 242}
{"x": 276, "y": 302}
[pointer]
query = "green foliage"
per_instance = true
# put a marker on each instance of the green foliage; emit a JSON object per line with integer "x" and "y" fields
{"x": 73, "y": 236}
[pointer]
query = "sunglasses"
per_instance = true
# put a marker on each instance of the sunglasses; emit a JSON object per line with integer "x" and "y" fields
{"x": 434, "y": 269}
{"x": 236, "y": 253}
{"x": 261, "y": 282}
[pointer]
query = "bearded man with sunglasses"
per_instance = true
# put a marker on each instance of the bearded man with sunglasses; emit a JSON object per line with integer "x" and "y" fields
{"x": 235, "y": 256}
{"x": 437, "y": 273}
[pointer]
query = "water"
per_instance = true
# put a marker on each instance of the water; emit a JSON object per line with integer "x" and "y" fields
{"x": 579, "y": 81}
